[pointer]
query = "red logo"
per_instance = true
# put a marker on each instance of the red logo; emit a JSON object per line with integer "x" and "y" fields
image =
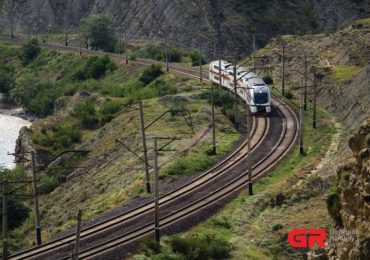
{"x": 307, "y": 238}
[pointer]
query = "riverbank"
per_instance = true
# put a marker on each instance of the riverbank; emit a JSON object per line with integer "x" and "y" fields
{"x": 11, "y": 121}
{"x": 15, "y": 111}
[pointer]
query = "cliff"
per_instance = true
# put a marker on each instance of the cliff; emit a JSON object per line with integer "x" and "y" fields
{"x": 189, "y": 23}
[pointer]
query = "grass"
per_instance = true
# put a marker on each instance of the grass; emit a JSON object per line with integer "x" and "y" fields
{"x": 113, "y": 176}
{"x": 342, "y": 74}
{"x": 254, "y": 228}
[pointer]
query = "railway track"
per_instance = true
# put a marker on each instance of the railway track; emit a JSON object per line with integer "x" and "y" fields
{"x": 204, "y": 193}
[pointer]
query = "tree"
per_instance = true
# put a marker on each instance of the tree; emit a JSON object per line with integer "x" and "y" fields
{"x": 7, "y": 78}
{"x": 151, "y": 73}
{"x": 98, "y": 30}
{"x": 30, "y": 51}
{"x": 9, "y": 7}
{"x": 195, "y": 57}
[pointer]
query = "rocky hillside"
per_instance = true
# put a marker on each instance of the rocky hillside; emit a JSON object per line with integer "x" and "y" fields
{"x": 354, "y": 192}
{"x": 188, "y": 22}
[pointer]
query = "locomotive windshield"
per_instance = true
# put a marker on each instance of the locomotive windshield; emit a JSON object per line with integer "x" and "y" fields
{"x": 260, "y": 98}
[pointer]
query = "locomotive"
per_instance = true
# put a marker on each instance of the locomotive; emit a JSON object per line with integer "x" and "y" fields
{"x": 250, "y": 87}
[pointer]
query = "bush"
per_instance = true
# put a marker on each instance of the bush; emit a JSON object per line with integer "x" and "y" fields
{"x": 277, "y": 227}
{"x": 197, "y": 56}
{"x": 288, "y": 95}
{"x": 47, "y": 184}
{"x": 30, "y": 51}
{"x": 108, "y": 110}
{"x": 174, "y": 55}
{"x": 86, "y": 112}
{"x": 97, "y": 67}
{"x": 151, "y": 51}
{"x": 7, "y": 78}
{"x": 17, "y": 211}
{"x": 333, "y": 205}
{"x": 268, "y": 80}
{"x": 191, "y": 248}
{"x": 197, "y": 248}
{"x": 187, "y": 165}
{"x": 151, "y": 73}
{"x": 150, "y": 246}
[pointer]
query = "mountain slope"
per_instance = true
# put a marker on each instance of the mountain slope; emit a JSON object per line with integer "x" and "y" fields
{"x": 189, "y": 22}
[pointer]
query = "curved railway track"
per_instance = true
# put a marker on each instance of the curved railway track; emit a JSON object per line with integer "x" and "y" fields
{"x": 199, "y": 197}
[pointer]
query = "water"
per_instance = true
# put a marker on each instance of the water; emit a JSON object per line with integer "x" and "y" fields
{"x": 9, "y": 130}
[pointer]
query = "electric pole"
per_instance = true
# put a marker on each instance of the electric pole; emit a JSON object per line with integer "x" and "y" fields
{"x": 156, "y": 193}
{"x": 283, "y": 72}
{"x": 166, "y": 52}
{"x": 36, "y": 201}
{"x": 65, "y": 24}
{"x": 78, "y": 231}
{"x": 314, "y": 98}
{"x": 126, "y": 56}
{"x": 5, "y": 219}
{"x": 305, "y": 83}
{"x": 301, "y": 117}
{"x": 254, "y": 52}
{"x": 79, "y": 36}
{"x": 200, "y": 65}
{"x": 142, "y": 126}
{"x": 235, "y": 96}
{"x": 249, "y": 160}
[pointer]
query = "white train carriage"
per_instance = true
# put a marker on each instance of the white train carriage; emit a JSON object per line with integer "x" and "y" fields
{"x": 250, "y": 87}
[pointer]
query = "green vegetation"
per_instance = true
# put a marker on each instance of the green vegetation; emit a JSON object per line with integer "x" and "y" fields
{"x": 342, "y": 74}
{"x": 268, "y": 80}
{"x": 30, "y": 51}
{"x": 7, "y": 78}
{"x": 334, "y": 207}
{"x": 251, "y": 216}
{"x": 17, "y": 211}
{"x": 197, "y": 57}
{"x": 98, "y": 32}
{"x": 151, "y": 73}
{"x": 188, "y": 247}
{"x": 58, "y": 138}
{"x": 86, "y": 113}
{"x": 96, "y": 67}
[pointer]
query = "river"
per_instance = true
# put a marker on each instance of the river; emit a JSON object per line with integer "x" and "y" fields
{"x": 9, "y": 130}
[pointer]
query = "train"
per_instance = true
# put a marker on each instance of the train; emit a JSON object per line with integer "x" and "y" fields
{"x": 250, "y": 87}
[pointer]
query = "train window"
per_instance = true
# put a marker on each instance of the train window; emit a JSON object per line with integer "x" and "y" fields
{"x": 216, "y": 67}
{"x": 216, "y": 78}
{"x": 261, "y": 98}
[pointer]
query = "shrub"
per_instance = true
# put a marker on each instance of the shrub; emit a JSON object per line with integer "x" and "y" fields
{"x": 197, "y": 56}
{"x": 47, "y": 184}
{"x": 333, "y": 205}
{"x": 277, "y": 227}
{"x": 151, "y": 73}
{"x": 162, "y": 87}
{"x": 288, "y": 95}
{"x": 86, "y": 112}
{"x": 150, "y": 246}
{"x": 268, "y": 80}
{"x": 108, "y": 110}
{"x": 17, "y": 212}
{"x": 7, "y": 78}
{"x": 191, "y": 248}
{"x": 200, "y": 248}
{"x": 97, "y": 67}
{"x": 30, "y": 51}
{"x": 174, "y": 55}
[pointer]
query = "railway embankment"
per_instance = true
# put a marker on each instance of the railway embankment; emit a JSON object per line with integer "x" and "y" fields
{"x": 334, "y": 174}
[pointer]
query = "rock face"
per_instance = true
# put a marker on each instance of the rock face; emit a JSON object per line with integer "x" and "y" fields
{"x": 189, "y": 22}
{"x": 354, "y": 192}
